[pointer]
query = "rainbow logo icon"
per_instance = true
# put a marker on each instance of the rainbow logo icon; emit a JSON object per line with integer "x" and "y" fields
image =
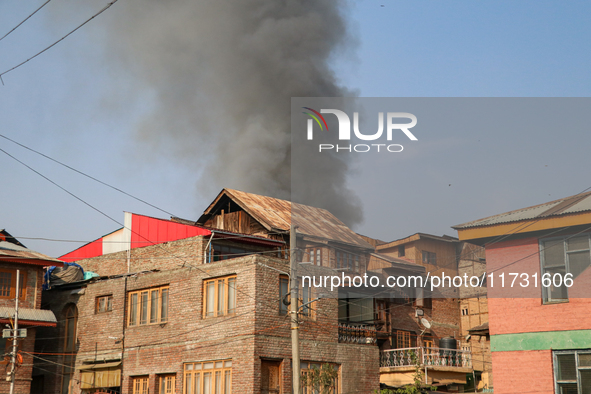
{"x": 315, "y": 116}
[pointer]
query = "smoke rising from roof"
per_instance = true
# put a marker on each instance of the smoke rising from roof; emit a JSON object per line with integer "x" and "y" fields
{"x": 218, "y": 77}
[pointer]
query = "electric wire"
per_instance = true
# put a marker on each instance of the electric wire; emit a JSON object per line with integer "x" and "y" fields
{"x": 17, "y": 26}
{"x": 86, "y": 175}
{"x": 58, "y": 41}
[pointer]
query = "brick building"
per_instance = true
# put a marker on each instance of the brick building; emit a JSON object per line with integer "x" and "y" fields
{"x": 185, "y": 307}
{"x": 408, "y": 312}
{"x": 15, "y": 256}
{"x": 540, "y": 332}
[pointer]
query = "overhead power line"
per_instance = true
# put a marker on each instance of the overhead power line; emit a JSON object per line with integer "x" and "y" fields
{"x": 86, "y": 175}
{"x": 60, "y": 40}
{"x": 17, "y": 26}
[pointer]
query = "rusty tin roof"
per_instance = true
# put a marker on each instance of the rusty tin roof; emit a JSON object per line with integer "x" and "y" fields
{"x": 276, "y": 215}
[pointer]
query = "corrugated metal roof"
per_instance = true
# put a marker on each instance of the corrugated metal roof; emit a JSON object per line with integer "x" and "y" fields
{"x": 568, "y": 205}
{"x": 40, "y": 315}
{"x": 11, "y": 251}
{"x": 276, "y": 215}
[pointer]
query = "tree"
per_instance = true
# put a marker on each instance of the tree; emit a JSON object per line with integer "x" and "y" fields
{"x": 321, "y": 380}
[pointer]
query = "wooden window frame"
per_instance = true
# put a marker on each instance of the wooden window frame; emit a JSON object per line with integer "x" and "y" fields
{"x": 166, "y": 384}
{"x": 138, "y": 308}
{"x": 22, "y": 284}
{"x": 403, "y": 336}
{"x": 108, "y": 303}
{"x": 226, "y": 311}
{"x": 218, "y": 370}
{"x": 140, "y": 384}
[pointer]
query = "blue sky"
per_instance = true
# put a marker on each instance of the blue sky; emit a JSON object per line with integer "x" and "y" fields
{"x": 63, "y": 104}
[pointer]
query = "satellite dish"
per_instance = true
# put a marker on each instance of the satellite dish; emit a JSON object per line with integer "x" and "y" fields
{"x": 425, "y": 323}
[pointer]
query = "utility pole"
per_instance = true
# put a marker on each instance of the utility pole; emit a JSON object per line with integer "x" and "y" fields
{"x": 14, "y": 334}
{"x": 293, "y": 310}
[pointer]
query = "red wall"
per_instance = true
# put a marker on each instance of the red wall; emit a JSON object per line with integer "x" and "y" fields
{"x": 145, "y": 231}
{"x": 510, "y": 312}
{"x": 523, "y": 372}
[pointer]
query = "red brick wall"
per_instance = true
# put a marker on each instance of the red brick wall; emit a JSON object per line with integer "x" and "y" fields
{"x": 524, "y": 372}
{"x": 257, "y": 331}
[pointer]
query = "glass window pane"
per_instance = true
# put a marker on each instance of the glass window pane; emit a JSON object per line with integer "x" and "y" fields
{"x": 567, "y": 367}
{"x": 577, "y": 243}
{"x": 221, "y": 296}
{"x": 556, "y": 293}
{"x": 232, "y": 295}
{"x": 283, "y": 286}
{"x": 578, "y": 262}
{"x": 210, "y": 298}
{"x": 133, "y": 310}
{"x": 585, "y": 360}
{"x": 218, "y": 382}
{"x": 207, "y": 383}
{"x": 144, "y": 308}
{"x": 228, "y": 383}
{"x": 586, "y": 381}
{"x": 568, "y": 388}
{"x": 109, "y": 303}
{"x": 154, "y": 306}
{"x": 188, "y": 385}
{"x": 164, "y": 306}
{"x": 553, "y": 253}
{"x": 197, "y": 383}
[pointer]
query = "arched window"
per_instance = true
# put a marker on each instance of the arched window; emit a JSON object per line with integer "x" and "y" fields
{"x": 71, "y": 322}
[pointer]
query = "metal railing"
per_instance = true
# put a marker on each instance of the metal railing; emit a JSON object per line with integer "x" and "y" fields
{"x": 362, "y": 334}
{"x": 426, "y": 356}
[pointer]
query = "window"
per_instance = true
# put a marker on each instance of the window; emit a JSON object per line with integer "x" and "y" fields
{"x": 219, "y": 296}
{"x": 148, "y": 306}
{"x": 562, "y": 256}
{"x": 8, "y": 283}
{"x": 140, "y": 384}
{"x": 104, "y": 304}
{"x": 464, "y": 311}
{"x": 315, "y": 255}
{"x": 213, "y": 377}
{"x": 224, "y": 252}
{"x": 403, "y": 339}
{"x": 348, "y": 261}
{"x": 356, "y": 308}
{"x": 429, "y": 258}
{"x": 305, "y": 296}
{"x": 283, "y": 294}
{"x": 401, "y": 251}
{"x": 166, "y": 384}
{"x": 572, "y": 371}
{"x": 315, "y": 377}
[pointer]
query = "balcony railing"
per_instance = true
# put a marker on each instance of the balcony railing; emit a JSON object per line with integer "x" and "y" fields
{"x": 362, "y": 334}
{"x": 426, "y": 356}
